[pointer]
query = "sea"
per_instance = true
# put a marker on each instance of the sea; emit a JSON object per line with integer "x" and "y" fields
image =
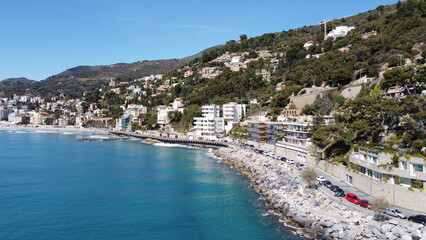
{"x": 55, "y": 187}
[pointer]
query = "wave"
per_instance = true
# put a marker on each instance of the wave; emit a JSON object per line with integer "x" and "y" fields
{"x": 173, "y": 145}
{"x": 68, "y": 133}
{"x": 100, "y": 136}
{"x": 21, "y": 132}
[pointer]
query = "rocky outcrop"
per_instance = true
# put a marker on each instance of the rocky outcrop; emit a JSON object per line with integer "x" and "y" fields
{"x": 313, "y": 213}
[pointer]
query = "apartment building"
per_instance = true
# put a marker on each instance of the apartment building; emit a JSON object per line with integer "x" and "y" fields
{"x": 233, "y": 112}
{"x": 274, "y": 131}
{"x": 210, "y": 124}
{"x": 378, "y": 165}
{"x": 256, "y": 131}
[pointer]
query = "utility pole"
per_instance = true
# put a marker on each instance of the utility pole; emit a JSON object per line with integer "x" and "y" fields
{"x": 325, "y": 29}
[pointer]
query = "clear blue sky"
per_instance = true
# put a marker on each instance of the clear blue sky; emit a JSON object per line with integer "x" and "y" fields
{"x": 40, "y": 38}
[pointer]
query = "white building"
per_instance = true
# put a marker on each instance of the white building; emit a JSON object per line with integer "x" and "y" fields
{"x": 162, "y": 114}
{"x": 211, "y": 124}
{"x": 211, "y": 111}
{"x": 233, "y": 112}
{"x": 236, "y": 59}
{"x": 339, "y": 31}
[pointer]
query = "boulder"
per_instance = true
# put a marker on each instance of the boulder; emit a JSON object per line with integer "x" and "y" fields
{"x": 337, "y": 227}
{"x": 390, "y": 236}
{"x": 349, "y": 236}
{"x": 394, "y": 222}
{"x": 398, "y": 231}
{"x": 386, "y": 228}
{"x": 406, "y": 237}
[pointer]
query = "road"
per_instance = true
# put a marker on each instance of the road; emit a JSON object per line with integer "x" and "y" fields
{"x": 348, "y": 189}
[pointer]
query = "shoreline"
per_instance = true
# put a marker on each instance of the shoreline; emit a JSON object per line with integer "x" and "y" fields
{"x": 309, "y": 212}
{"x": 52, "y": 129}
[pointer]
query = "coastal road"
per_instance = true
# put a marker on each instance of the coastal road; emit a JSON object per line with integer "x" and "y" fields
{"x": 348, "y": 189}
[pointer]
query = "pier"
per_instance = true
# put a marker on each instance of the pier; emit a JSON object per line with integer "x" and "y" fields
{"x": 171, "y": 140}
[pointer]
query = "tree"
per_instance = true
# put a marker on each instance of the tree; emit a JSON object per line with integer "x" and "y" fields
{"x": 378, "y": 205}
{"x": 175, "y": 116}
{"x": 309, "y": 175}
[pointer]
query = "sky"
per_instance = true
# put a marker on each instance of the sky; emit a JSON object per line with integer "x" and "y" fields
{"x": 40, "y": 38}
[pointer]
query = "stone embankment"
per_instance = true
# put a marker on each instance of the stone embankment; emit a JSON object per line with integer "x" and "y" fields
{"x": 310, "y": 211}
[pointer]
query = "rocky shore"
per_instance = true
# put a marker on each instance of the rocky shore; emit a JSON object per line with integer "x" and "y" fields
{"x": 312, "y": 213}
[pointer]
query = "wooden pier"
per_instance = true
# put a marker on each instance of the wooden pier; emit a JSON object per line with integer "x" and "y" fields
{"x": 171, "y": 140}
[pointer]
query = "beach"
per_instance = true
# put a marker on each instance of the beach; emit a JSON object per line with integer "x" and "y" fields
{"x": 56, "y": 129}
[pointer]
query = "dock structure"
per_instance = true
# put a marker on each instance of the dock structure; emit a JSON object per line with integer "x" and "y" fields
{"x": 170, "y": 140}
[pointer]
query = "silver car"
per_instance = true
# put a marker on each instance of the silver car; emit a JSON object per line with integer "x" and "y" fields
{"x": 395, "y": 213}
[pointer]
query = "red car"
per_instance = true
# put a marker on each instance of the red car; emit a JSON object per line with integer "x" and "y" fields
{"x": 256, "y": 150}
{"x": 352, "y": 198}
{"x": 364, "y": 203}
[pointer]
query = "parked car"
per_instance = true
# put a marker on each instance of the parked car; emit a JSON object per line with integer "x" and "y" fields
{"x": 394, "y": 212}
{"x": 320, "y": 179}
{"x": 327, "y": 184}
{"x": 252, "y": 146}
{"x": 340, "y": 193}
{"x": 353, "y": 198}
{"x": 256, "y": 150}
{"x": 291, "y": 161}
{"x": 300, "y": 166}
{"x": 283, "y": 159}
{"x": 336, "y": 189}
{"x": 418, "y": 219}
{"x": 261, "y": 151}
{"x": 364, "y": 203}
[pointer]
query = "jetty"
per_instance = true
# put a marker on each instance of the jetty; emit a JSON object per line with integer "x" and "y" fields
{"x": 171, "y": 140}
{"x": 99, "y": 139}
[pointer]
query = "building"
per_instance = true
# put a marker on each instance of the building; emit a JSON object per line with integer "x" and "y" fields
{"x": 178, "y": 105}
{"x": 398, "y": 92}
{"x": 163, "y": 114}
{"x": 296, "y": 141}
{"x": 339, "y": 31}
{"x": 256, "y": 131}
{"x": 4, "y": 112}
{"x": 236, "y": 59}
{"x": 210, "y": 124}
{"x": 208, "y": 70}
{"x": 233, "y": 112}
{"x": 308, "y": 44}
{"x": 274, "y": 132}
{"x": 381, "y": 166}
{"x": 369, "y": 34}
{"x": 188, "y": 73}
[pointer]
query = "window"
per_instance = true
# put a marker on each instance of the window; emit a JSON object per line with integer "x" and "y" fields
{"x": 404, "y": 165}
{"x": 418, "y": 167}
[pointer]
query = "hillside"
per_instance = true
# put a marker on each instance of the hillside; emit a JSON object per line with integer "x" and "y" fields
{"x": 76, "y": 80}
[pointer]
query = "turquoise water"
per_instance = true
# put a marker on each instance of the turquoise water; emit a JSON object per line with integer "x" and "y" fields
{"x": 53, "y": 187}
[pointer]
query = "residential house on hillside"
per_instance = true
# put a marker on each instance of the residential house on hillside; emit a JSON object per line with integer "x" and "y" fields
{"x": 339, "y": 31}
{"x": 308, "y": 44}
{"x": 398, "y": 92}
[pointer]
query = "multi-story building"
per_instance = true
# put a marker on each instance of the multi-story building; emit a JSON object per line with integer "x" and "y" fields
{"x": 162, "y": 114}
{"x": 211, "y": 124}
{"x": 233, "y": 112}
{"x": 4, "y": 112}
{"x": 296, "y": 141}
{"x": 256, "y": 131}
{"x": 380, "y": 166}
{"x": 274, "y": 131}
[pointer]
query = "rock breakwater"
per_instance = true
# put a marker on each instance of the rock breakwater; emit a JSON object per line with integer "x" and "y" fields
{"x": 312, "y": 213}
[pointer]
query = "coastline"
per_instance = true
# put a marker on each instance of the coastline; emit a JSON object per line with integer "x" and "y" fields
{"x": 52, "y": 129}
{"x": 309, "y": 212}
